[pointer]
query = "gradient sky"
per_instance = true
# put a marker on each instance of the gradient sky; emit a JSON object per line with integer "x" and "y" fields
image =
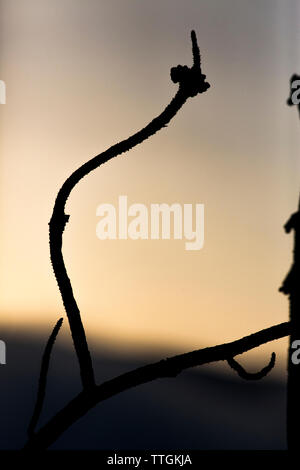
{"x": 82, "y": 75}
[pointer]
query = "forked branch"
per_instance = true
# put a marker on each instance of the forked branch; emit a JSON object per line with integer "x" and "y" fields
{"x": 169, "y": 367}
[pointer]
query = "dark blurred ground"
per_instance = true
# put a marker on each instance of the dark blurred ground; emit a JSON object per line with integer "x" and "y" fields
{"x": 200, "y": 409}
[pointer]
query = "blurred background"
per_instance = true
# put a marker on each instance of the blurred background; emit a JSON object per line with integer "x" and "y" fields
{"x": 81, "y": 76}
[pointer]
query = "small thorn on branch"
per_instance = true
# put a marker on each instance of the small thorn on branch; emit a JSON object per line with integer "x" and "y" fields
{"x": 248, "y": 375}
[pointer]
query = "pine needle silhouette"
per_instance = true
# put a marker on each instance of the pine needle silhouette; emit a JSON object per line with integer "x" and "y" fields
{"x": 191, "y": 82}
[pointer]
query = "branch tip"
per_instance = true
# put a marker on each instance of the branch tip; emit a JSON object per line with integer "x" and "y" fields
{"x": 196, "y": 51}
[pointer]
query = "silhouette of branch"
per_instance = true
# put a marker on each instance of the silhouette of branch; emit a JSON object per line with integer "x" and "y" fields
{"x": 251, "y": 375}
{"x": 169, "y": 367}
{"x": 191, "y": 82}
{"x": 43, "y": 378}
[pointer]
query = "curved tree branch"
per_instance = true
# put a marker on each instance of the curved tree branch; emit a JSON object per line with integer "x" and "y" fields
{"x": 169, "y": 367}
{"x": 251, "y": 375}
{"x": 191, "y": 82}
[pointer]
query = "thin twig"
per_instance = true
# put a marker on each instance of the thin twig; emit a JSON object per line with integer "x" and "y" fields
{"x": 251, "y": 375}
{"x": 169, "y": 367}
{"x": 290, "y": 287}
{"x": 196, "y": 51}
{"x": 43, "y": 378}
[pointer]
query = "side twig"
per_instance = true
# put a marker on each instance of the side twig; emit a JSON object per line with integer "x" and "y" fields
{"x": 43, "y": 378}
